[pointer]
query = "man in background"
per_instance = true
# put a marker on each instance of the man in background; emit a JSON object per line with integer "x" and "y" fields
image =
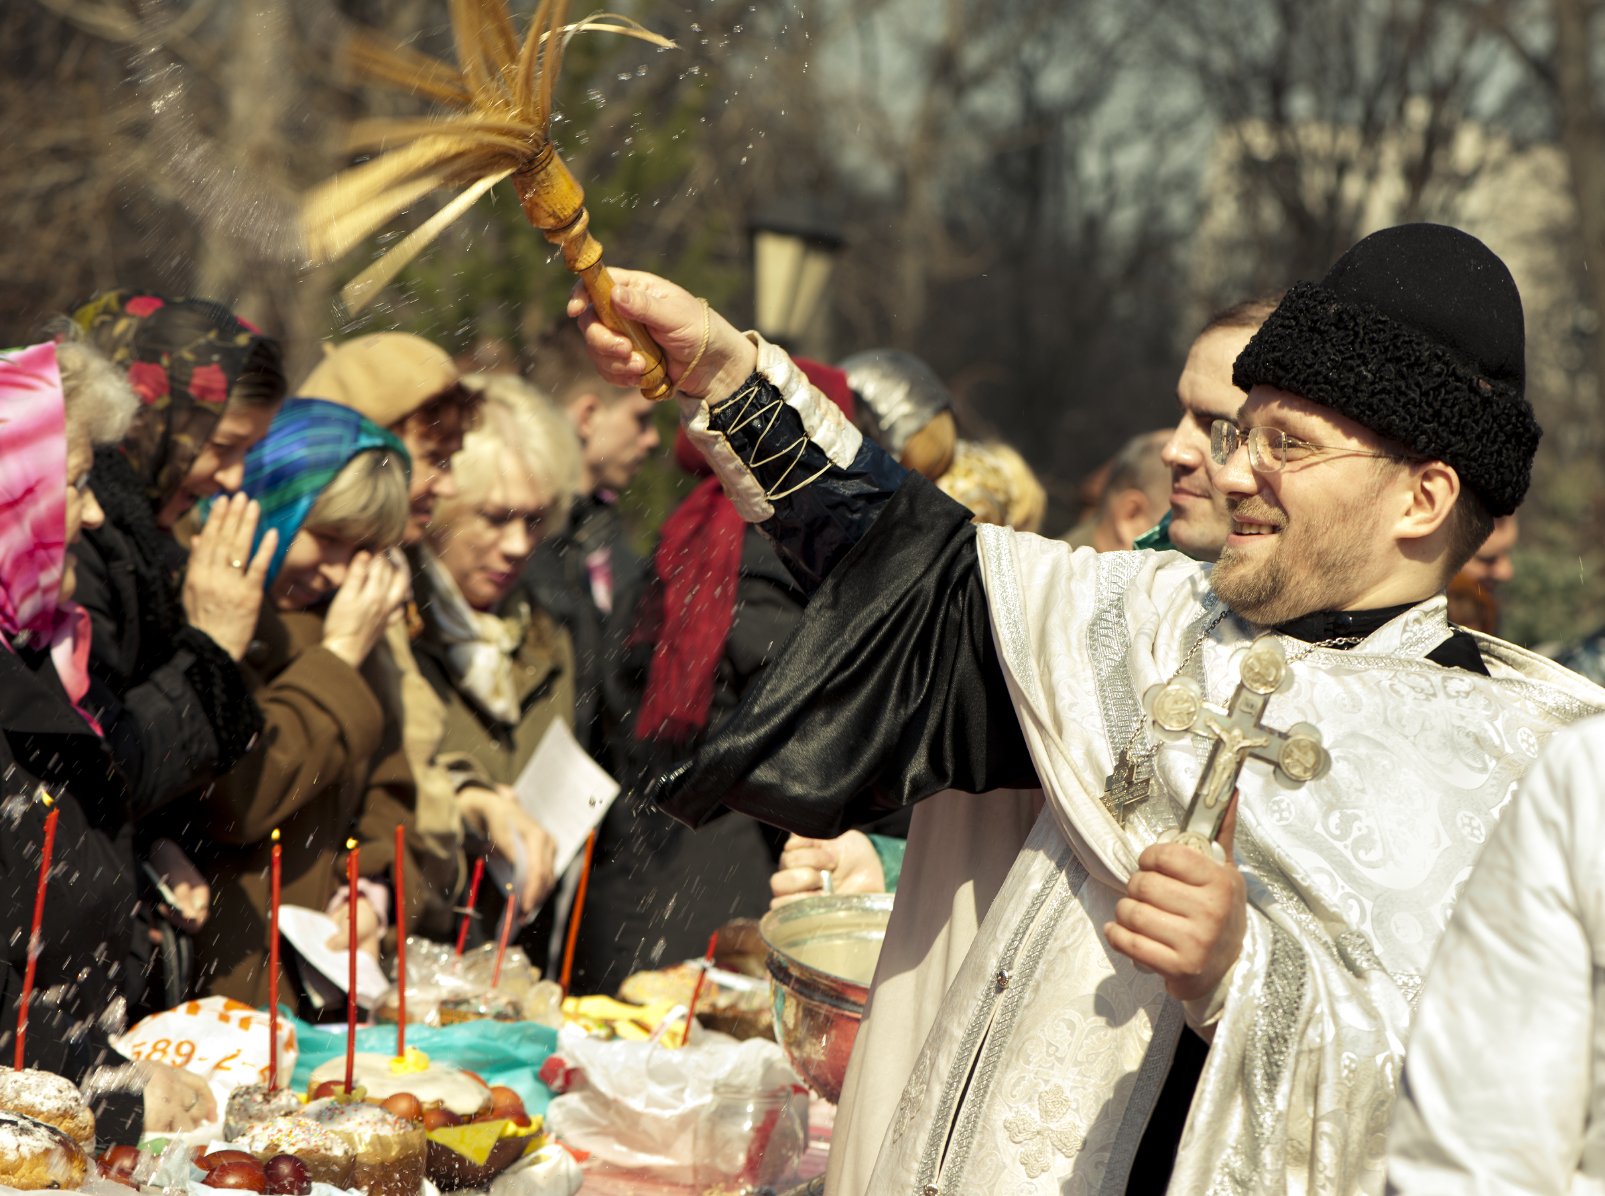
{"x": 589, "y": 576}
{"x": 1135, "y": 496}
{"x": 1197, "y": 522}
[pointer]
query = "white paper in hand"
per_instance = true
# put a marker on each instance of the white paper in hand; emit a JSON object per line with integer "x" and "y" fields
{"x": 309, "y": 931}
{"x": 565, "y": 791}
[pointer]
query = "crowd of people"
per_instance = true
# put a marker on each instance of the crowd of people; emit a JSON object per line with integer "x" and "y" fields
{"x": 241, "y": 610}
{"x": 244, "y": 612}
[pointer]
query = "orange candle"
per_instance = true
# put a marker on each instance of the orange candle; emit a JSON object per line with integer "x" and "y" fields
{"x": 351, "y": 967}
{"x": 401, "y": 941}
{"x": 273, "y": 963}
{"x": 34, "y": 942}
{"x": 501, "y": 942}
{"x": 574, "y": 915}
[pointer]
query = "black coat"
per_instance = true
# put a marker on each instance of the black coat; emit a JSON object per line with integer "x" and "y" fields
{"x": 90, "y": 896}
{"x": 179, "y": 712}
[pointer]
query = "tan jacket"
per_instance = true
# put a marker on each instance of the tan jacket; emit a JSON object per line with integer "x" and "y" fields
{"x": 544, "y": 672}
{"x": 328, "y": 765}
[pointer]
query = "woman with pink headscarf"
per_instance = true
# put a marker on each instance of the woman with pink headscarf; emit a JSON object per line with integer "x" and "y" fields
{"x": 56, "y": 403}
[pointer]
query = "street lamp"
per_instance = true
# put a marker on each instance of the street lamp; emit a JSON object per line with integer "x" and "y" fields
{"x": 794, "y": 246}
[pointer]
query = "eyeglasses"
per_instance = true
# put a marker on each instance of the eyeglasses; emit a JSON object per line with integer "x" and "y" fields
{"x": 1269, "y": 448}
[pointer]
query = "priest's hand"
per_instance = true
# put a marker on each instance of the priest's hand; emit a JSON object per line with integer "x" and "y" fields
{"x": 707, "y": 355}
{"x": 851, "y": 859}
{"x": 1184, "y": 915}
{"x": 176, "y": 1101}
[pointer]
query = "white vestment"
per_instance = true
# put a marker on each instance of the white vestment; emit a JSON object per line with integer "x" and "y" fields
{"x": 1045, "y": 1055}
{"x": 1504, "y": 1082}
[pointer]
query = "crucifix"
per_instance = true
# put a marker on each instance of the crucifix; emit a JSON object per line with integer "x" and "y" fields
{"x": 1239, "y": 734}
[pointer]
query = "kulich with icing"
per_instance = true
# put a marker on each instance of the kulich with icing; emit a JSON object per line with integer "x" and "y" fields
{"x": 252, "y": 1104}
{"x": 35, "y": 1155}
{"x": 49, "y": 1098}
{"x": 431, "y": 1082}
{"x": 329, "y": 1158}
{"x": 389, "y": 1151}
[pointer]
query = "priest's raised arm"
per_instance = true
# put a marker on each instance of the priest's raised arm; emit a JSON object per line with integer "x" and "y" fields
{"x": 890, "y": 689}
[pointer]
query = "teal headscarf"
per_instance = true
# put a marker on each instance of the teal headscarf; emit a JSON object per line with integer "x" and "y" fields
{"x": 309, "y": 442}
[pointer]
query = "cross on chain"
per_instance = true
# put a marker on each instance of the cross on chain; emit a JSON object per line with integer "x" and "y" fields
{"x": 1239, "y": 735}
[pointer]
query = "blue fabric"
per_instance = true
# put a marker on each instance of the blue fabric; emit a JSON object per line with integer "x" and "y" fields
{"x": 1157, "y": 537}
{"x": 308, "y": 444}
{"x": 509, "y": 1053}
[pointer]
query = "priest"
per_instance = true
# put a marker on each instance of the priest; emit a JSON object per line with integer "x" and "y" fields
{"x": 1263, "y": 780}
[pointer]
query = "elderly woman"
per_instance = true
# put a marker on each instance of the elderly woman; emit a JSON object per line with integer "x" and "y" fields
{"x": 329, "y": 764}
{"x": 56, "y": 402}
{"x": 411, "y": 387}
{"x": 170, "y": 625}
{"x": 168, "y": 630}
{"x": 503, "y": 667}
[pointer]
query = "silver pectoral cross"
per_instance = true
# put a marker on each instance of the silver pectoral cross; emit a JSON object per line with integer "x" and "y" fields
{"x": 1238, "y": 735}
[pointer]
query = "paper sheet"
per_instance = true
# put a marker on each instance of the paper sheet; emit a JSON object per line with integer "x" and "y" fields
{"x": 565, "y": 791}
{"x": 308, "y": 930}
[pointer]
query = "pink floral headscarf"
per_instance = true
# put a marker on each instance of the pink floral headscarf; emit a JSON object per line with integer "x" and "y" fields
{"x": 33, "y": 515}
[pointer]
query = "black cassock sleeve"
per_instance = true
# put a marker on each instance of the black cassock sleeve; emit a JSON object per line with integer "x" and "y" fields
{"x": 889, "y": 689}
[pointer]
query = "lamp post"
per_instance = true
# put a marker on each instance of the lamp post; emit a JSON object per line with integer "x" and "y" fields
{"x": 794, "y": 246}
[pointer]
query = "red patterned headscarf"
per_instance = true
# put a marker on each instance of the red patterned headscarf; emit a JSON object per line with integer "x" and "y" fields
{"x": 183, "y": 357}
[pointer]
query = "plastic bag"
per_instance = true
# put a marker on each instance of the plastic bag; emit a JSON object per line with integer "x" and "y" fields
{"x": 639, "y": 1102}
{"x": 220, "y": 1040}
{"x": 508, "y": 1053}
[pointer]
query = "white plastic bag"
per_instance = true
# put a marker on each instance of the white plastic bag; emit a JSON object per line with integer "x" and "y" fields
{"x": 222, "y": 1041}
{"x": 639, "y": 1103}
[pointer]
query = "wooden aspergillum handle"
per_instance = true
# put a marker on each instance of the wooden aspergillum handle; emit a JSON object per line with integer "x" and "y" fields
{"x": 555, "y": 203}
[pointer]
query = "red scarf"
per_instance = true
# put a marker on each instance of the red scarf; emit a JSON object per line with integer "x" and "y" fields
{"x": 697, "y": 571}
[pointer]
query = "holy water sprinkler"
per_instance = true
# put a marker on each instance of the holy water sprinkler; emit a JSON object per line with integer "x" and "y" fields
{"x": 499, "y": 95}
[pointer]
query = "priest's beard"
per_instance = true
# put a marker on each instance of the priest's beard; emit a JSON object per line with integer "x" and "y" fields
{"x": 1307, "y": 565}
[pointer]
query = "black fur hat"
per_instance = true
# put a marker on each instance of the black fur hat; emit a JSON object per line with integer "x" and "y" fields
{"x": 1416, "y": 333}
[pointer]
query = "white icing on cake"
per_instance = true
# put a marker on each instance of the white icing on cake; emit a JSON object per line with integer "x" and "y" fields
{"x": 443, "y": 1082}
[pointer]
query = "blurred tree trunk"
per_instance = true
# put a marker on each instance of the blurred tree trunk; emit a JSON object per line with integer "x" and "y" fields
{"x": 1580, "y": 108}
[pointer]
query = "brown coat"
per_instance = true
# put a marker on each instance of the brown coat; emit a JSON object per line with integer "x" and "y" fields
{"x": 328, "y": 765}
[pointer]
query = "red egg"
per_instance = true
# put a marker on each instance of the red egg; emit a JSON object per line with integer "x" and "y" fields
{"x": 433, "y": 1119}
{"x": 404, "y": 1105}
{"x": 248, "y": 1176}
{"x": 287, "y": 1176}
{"x": 119, "y": 1161}
{"x": 209, "y": 1162}
{"x": 329, "y": 1088}
{"x": 504, "y": 1102}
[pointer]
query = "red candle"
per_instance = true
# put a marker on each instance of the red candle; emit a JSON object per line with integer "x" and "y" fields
{"x": 696, "y": 991}
{"x": 401, "y": 942}
{"x": 34, "y": 943}
{"x": 501, "y": 942}
{"x": 468, "y": 910}
{"x": 351, "y": 965}
{"x": 273, "y": 964}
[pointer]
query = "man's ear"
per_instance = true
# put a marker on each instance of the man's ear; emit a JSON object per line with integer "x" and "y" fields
{"x": 1131, "y": 515}
{"x": 1434, "y": 490}
{"x": 582, "y": 409}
